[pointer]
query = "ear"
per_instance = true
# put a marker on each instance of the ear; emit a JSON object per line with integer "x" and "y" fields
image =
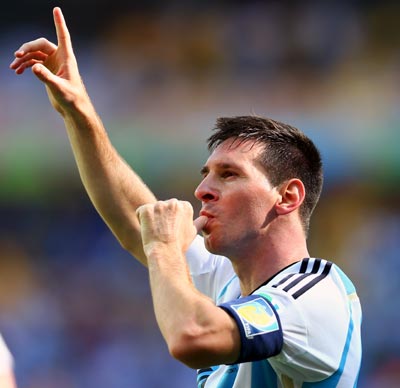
{"x": 292, "y": 194}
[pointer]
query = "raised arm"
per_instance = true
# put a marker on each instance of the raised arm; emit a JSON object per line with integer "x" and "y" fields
{"x": 114, "y": 188}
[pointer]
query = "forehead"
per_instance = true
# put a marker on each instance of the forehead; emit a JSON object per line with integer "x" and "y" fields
{"x": 235, "y": 151}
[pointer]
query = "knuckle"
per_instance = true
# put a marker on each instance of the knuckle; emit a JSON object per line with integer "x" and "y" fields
{"x": 41, "y": 40}
{"x": 160, "y": 206}
{"x": 172, "y": 203}
{"x": 187, "y": 205}
{"x": 144, "y": 209}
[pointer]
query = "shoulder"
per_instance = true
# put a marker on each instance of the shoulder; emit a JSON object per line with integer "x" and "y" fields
{"x": 301, "y": 277}
{"x": 315, "y": 288}
{"x": 316, "y": 304}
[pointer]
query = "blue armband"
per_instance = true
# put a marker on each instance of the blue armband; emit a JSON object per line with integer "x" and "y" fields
{"x": 259, "y": 326}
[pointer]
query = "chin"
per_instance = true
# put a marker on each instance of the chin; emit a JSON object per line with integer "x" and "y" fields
{"x": 213, "y": 246}
{"x": 208, "y": 243}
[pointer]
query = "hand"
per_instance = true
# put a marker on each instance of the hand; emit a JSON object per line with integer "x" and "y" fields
{"x": 56, "y": 66}
{"x": 168, "y": 224}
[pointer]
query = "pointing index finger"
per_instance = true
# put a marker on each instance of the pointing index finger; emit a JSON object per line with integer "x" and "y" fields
{"x": 63, "y": 36}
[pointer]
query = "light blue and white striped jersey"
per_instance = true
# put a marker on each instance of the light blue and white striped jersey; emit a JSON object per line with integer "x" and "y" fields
{"x": 311, "y": 306}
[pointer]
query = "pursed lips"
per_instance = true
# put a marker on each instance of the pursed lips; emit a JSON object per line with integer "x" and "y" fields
{"x": 209, "y": 216}
{"x": 206, "y": 214}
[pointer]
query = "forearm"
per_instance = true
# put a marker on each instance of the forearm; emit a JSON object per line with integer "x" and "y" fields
{"x": 197, "y": 332}
{"x": 115, "y": 190}
{"x": 113, "y": 187}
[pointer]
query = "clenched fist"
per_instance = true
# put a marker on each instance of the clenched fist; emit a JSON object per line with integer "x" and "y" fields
{"x": 168, "y": 225}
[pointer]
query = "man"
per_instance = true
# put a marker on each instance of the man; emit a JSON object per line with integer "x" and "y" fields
{"x": 7, "y": 378}
{"x": 270, "y": 315}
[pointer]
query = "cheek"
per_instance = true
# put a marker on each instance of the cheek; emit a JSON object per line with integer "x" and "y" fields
{"x": 253, "y": 208}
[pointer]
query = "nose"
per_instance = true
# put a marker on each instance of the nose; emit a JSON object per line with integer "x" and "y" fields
{"x": 205, "y": 192}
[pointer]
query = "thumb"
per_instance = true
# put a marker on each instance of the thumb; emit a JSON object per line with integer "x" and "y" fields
{"x": 200, "y": 222}
{"x": 43, "y": 73}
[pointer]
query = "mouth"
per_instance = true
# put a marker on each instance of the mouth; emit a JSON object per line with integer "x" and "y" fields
{"x": 209, "y": 216}
{"x": 206, "y": 214}
{"x": 206, "y": 229}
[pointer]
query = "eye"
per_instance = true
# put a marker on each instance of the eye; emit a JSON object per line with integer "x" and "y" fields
{"x": 203, "y": 172}
{"x": 227, "y": 174}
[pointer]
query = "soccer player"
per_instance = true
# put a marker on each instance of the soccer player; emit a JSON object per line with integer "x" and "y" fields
{"x": 7, "y": 378}
{"x": 245, "y": 304}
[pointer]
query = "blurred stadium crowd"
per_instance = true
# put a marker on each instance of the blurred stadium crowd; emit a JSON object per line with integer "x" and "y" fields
{"x": 75, "y": 309}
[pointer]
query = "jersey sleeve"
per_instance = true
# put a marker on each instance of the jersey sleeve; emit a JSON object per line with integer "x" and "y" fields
{"x": 300, "y": 336}
{"x": 314, "y": 328}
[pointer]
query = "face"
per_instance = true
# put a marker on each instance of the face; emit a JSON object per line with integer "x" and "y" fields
{"x": 236, "y": 197}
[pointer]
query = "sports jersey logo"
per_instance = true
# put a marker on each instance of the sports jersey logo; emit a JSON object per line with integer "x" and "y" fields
{"x": 257, "y": 317}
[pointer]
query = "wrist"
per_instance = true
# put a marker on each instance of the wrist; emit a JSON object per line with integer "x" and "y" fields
{"x": 159, "y": 249}
{"x": 162, "y": 254}
{"x": 78, "y": 107}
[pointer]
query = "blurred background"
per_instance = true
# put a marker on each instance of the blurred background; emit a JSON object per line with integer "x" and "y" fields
{"x": 75, "y": 308}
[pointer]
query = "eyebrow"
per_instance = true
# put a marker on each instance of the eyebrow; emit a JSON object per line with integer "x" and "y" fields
{"x": 221, "y": 166}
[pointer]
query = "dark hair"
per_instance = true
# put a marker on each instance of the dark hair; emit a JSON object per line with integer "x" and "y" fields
{"x": 289, "y": 153}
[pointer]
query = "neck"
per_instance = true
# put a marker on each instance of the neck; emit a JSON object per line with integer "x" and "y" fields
{"x": 267, "y": 256}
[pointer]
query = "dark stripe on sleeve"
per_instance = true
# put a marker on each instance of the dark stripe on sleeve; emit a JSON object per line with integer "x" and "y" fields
{"x": 316, "y": 265}
{"x": 296, "y": 281}
{"x": 314, "y": 270}
{"x": 304, "y": 265}
{"x": 313, "y": 282}
{"x": 284, "y": 280}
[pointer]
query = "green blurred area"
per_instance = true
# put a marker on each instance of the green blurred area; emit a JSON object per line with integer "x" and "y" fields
{"x": 160, "y": 74}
